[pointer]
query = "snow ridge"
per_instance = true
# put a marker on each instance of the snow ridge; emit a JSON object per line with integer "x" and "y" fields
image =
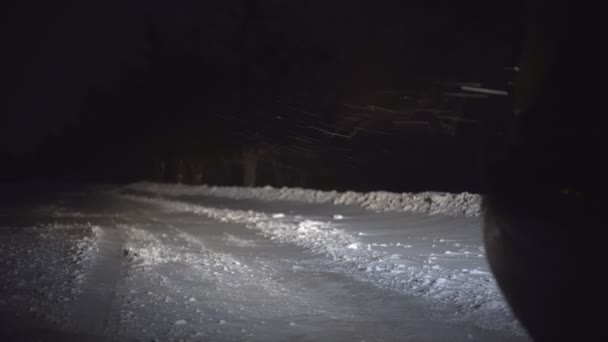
{"x": 463, "y": 204}
{"x": 44, "y": 269}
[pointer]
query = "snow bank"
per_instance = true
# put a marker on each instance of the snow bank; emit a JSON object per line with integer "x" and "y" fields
{"x": 431, "y": 203}
{"x": 43, "y": 268}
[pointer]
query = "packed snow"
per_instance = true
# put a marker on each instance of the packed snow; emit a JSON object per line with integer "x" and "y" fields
{"x": 473, "y": 291}
{"x": 157, "y": 262}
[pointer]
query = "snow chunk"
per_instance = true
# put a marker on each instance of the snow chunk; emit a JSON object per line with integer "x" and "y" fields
{"x": 237, "y": 241}
{"x": 353, "y": 246}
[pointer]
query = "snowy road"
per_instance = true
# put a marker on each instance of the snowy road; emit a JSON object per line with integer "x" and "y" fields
{"x": 116, "y": 264}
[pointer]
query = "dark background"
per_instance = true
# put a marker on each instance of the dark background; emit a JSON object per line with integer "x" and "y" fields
{"x": 358, "y": 95}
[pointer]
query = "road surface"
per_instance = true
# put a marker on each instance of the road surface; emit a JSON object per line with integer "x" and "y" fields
{"x": 101, "y": 263}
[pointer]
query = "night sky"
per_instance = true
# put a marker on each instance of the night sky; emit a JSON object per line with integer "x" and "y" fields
{"x": 109, "y": 90}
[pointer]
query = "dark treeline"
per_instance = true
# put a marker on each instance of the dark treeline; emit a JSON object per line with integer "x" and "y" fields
{"x": 357, "y": 95}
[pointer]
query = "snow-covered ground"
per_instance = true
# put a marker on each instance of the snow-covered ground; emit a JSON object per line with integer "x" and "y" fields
{"x": 162, "y": 262}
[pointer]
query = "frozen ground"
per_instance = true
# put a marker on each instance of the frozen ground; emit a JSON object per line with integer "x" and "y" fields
{"x": 177, "y": 263}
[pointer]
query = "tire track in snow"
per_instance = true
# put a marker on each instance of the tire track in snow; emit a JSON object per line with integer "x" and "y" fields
{"x": 234, "y": 277}
{"x": 201, "y": 288}
{"x": 92, "y": 312}
{"x": 476, "y": 298}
